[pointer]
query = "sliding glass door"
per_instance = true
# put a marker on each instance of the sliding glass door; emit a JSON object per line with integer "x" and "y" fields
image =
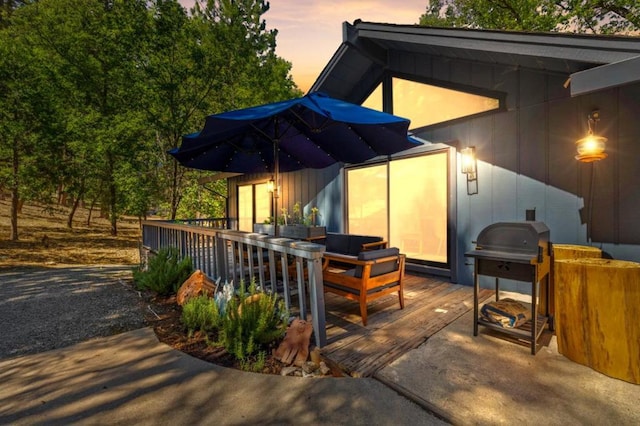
{"x": 367, "y": 200}
{"x": 406, "y": 202}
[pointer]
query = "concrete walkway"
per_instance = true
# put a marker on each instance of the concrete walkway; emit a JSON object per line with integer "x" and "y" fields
{"x": 131, "y": 378}
{"x": 488, "y": 380}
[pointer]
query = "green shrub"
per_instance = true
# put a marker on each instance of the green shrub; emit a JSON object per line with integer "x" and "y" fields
{"x": 200, "y": 314}
{"x": 166, "y": 272}
{"x": 255, "y": 364}
{"x": 252, "y": 321}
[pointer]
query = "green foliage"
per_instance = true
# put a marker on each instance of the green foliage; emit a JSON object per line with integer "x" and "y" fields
{"x": 201, "y": 314}
{"x": 165, "y": 272}
{"x": 199, "y": 203}
{"x": 254, "y": 364}
{"x": 252, "y": 321}
{"x": 578, "y": 16}
{"x": 93, "y": 94}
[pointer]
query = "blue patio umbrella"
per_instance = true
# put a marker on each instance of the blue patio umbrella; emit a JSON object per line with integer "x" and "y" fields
{"x": 313, "y": 131}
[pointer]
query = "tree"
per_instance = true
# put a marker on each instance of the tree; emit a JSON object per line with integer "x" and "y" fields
{"x": 94, "y": 92}
{"x": 6, "y": 10}
{"x": 222, "y": 58}
{"x": 28, "y": 120}
{"x": 579, "y": 16}
{"x": 100, "y": 47}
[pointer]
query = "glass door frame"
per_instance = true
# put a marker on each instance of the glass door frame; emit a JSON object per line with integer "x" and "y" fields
{"x": 448, "y": 269}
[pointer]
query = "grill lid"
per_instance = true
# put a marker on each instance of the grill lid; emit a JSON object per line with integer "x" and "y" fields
{"x": 515, "y": 240}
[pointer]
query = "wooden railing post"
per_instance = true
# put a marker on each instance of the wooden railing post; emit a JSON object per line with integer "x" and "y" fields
{"x": 316, "y": 294}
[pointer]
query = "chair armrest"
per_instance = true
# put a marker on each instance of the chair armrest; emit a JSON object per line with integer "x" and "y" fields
{"x": 328, "y": 257}
{"x": 376, "y": 245}
{"x": 353, "y": 260}
{"x": 339, "y": 257}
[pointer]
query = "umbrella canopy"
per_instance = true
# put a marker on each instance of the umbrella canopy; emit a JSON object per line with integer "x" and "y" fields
{"x": 313, "y": 131}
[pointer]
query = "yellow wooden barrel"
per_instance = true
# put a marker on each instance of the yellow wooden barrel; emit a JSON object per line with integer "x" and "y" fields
{"x": 560, "y": 252}
{"x": 598, "y": 315}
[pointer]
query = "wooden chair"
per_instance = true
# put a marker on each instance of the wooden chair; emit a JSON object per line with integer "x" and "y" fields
{"x": 373, "y": 274}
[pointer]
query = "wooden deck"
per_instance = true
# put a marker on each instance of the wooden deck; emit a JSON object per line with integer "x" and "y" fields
{"x": 430, "y": 304}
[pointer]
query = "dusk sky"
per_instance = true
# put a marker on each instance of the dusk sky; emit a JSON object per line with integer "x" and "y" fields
{"x": 310, "y": 31}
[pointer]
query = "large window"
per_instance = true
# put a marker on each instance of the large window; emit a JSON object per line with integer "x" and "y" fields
{"x": 418, "y": 206}
{"x": 404, "y": 201}
{"x": 254, "y": 205}
{"x": 367, "y": 200}
{"x": 425, "y": 104}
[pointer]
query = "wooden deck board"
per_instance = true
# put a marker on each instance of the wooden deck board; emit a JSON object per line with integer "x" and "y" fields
{"x": 430, "y": 304}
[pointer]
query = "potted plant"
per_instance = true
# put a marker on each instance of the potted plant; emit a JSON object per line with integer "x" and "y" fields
{"x": 299, "y": 226}
{"x": 267, "y": 227}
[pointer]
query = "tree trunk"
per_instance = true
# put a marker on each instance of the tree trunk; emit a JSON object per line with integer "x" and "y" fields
{"x": 113, "y": 208}
{"x": 561, "y": 252}
{"x": 15, "y": 192}
{"x": 113, "y": 214}
{"x": 75, "y": 205}
{"x": 598, "y": 306}
{"x": 60, "y": 194}
{"x": 93, "y": 204}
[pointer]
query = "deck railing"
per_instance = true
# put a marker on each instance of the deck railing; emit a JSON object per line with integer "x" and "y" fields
{"x": 210, "y": 222}
{"x": 281, "y": 265}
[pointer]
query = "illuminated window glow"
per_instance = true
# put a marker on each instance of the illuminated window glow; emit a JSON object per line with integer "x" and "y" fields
{"x": 405, "y": 203}
{"x": 426, "y": 104}
{"x": 253, "y": 199}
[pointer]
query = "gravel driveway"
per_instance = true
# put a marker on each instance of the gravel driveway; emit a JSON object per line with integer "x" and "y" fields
{"x": 49, "y": 308}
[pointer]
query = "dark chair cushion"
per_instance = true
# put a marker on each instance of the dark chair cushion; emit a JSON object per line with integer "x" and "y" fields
{"x": 378, "y": 268}
{"x": 337, "y": 243}
{"x": 356, "y": 242}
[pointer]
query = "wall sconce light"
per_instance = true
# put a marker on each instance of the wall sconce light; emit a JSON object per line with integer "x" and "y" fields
{"x": 470, "y": 168}
{"x": 273, "y": 188}
{"x": 591, "y": 147}
{"x": 469, "y": 162}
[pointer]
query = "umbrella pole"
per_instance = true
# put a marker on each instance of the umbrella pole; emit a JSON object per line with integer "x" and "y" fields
{"x": 276, "y": 166}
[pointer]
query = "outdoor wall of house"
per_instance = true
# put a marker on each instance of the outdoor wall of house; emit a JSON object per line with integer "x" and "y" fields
{"x": 526, "y": 156}
{"x": 312, "y": 188}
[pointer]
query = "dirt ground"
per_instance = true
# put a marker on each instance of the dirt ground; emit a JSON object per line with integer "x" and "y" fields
{"x": 45, "y": 241}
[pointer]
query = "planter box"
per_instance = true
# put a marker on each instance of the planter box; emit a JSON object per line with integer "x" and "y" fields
{"x": 302, "y": 232}
{"x": 265, "y": 228}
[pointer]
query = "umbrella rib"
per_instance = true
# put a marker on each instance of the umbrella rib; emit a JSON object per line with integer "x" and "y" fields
{"x": 290, "y": 125}
{"x": 312, "y": 129}
{"x": 364, "y": 141}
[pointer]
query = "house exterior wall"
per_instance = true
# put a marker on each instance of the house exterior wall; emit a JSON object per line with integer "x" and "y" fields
{"x": 525, "y": 160}
{"x": 312, "y": 188}
{"x": 526, "y": 156}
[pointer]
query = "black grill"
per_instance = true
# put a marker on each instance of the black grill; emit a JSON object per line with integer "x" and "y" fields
{"x": 514, "y": 250}
{"x": 519, "y": 251}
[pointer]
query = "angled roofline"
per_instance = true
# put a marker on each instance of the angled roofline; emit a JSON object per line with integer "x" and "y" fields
{"x": 588, "y": 49}
{"x": 606, "y": 76}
